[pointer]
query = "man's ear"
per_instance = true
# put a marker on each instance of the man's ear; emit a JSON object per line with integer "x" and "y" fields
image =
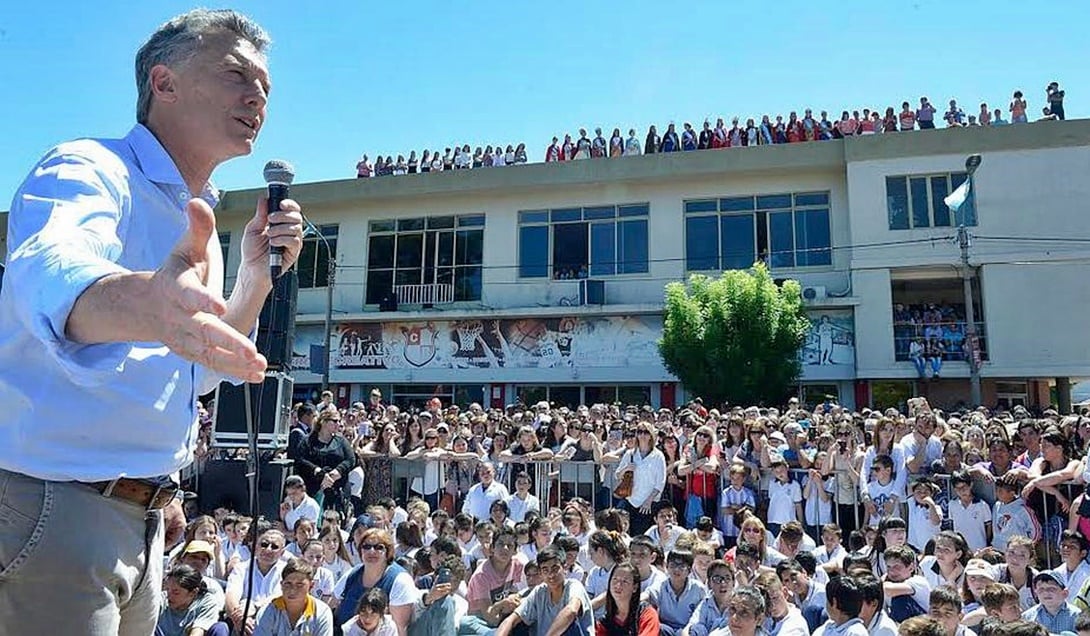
{"x": 164, "y": 85}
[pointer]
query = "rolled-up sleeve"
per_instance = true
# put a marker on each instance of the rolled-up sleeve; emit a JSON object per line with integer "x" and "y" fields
{"x": 63, "y": 233}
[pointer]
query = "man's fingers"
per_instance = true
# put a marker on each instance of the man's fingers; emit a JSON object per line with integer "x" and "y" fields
{"x": 216, "y": 345}
{"x": 202, "y": 223}
{"x": 201, "y": 300}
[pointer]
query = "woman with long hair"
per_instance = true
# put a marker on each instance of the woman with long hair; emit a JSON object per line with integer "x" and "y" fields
{"x": 947, "y": 565}
{"x": 606, "y": 549}
{"x": 412, "y": 434}
{"x": 647, "y": 483}
{"x": 325, "y": 458}
{"x": 892, "y": 532}
{"x": 884, "y": 442}
{"x": 1048, "y": 492}
{"x": 731, "y": 443}
{"x": 753, "y": 532}
{"x": 625, "y": 615}
{"x": 700, "y": 465}
{"x": 378, "y": 465}
{"x": 670, "y": 446}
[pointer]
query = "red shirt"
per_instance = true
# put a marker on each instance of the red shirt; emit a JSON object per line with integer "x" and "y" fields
{"x": 648, "y": 624}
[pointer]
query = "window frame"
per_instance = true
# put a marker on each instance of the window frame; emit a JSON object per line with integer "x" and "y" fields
{"x": 760, "y": 210}
{"x": 331, "y": 232}
{"x": 953, "y": 178}
{"x": 590, "y": 217}
{"x": 441, "y": 271}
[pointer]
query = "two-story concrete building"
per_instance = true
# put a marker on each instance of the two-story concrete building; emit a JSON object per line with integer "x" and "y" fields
{"x": 545, "y": 281}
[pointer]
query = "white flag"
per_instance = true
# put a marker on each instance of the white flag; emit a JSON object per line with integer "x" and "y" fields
{"x": 958, "y": 197}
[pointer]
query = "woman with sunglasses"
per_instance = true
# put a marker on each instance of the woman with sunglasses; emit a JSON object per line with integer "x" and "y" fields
{"x": 378, "y": 569}
{"x": 625, "y": 614}
{"x": 700, "y": 463}
{"x": 647, "y": 482}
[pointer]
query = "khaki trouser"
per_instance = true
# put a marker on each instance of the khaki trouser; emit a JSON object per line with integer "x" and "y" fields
{"x": 75, "y": 562}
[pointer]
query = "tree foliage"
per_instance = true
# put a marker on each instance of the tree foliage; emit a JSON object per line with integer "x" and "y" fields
{"x": 735, "y": 338}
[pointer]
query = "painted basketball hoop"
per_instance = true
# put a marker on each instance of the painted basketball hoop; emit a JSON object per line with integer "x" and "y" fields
{"x": 468, "y": 332}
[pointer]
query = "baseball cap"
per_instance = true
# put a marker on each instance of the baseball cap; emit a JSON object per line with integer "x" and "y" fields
{"x": 979, "y": 567}
{"x": 1049, "y": 575}
{"x": 776, "y": 435}
{"x": 200, "y": 547}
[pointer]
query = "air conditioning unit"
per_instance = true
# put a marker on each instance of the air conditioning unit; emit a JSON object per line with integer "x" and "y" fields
{"x": 815, "y": 292}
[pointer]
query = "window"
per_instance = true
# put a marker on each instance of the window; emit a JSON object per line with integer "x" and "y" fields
{"x": 917, "y": 201}
{"x": 586, "y": 242}
{"x": 447, "y": 250}
{"x": 783, "y": 230}
{"x": 225, "y": 246}
{"x": 313, "y": 265}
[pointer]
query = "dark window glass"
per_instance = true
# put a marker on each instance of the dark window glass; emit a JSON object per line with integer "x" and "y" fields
{"x": 604, "y": 212}
{"x": 897, "y": 202}
{"x": 388, "y": 225}
{"x": 568, "y": 214}
{"x": 381, "y": 251}
{"x": 467, "y": 283}
{"x": 701, "y": 243}
{"x": 410, "y": 250}
{"x": 306, "y": 264}
{"x": 783, "y": 240}
{"x": 636, "y": 209}
{"x": 445, "y": 255}
{"x": 404, "y": 225}
{"x": 534, "y": 251}
{"x": 633, "y": 247}
{"x": 570, "y": 250}
{"x": 476, "y": 220}
{"x": 812, "y": 198}
{"x": 408, "y": 276}
{"x": 736, "y": 204}
{"x": 774, "y": 201}
{"x": 812, "y": 238}
{"x": 534, "y": 216}
{"x": 603, "y": 249}
{"x": 379, "y": 284}
{"x": 921, "y": 210}
{"x": 737, "y": 238}
{"x": 939, "y": 191}
{"x": 470, "y": 247}
{"x": 705, "y": 205}
{"x": 440, "y": 222}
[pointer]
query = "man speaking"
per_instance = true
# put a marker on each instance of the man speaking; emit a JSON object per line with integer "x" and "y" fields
{"x": 112, "y": 322}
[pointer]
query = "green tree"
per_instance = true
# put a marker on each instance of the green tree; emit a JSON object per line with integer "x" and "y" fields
{"x": 735, "y": 338}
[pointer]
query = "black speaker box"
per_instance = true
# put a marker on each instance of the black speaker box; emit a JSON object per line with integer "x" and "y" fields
{"x": 276, "y": 326}
{"x": 271, "y": 404}
{"x": 223, "y": 483}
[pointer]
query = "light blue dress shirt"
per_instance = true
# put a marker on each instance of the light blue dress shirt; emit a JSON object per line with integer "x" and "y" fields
{"x": 89, "y": 209}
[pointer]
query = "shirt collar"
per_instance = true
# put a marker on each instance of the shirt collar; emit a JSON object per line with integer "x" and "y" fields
{"x": 157, "y": 165}
{"x": 309, "y": 612}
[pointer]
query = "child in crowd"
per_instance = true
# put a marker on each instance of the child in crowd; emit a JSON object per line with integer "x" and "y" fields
{"x": 946, "y": 609}
{"x": 1074, "y": 572}
{"x": 969, "y": 515}
{"x": 924, "y": 515}
{"x": 831, "y": 549}
{"x": 735, "y": 497}
{"x": 907, "y": 593}
{"x": 1053, "y": 611}
{"x": 881, "y": 498}
{"x": 665, "y": 532}
{"x": 371, "y": 618}
{"x": 1011, "y": 516}
{"x": 784, "y": 497}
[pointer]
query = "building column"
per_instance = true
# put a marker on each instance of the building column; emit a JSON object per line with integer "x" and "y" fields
{"x": 1063, "y": 395}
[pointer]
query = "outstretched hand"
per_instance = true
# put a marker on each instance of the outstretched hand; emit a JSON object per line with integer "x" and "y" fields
{"x": 188, "y": 313}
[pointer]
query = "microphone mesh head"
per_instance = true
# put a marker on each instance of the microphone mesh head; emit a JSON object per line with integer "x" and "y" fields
{"x": 278, "y": 171}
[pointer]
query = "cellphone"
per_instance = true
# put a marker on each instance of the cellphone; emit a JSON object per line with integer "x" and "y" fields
{"x": 442, "y": 575}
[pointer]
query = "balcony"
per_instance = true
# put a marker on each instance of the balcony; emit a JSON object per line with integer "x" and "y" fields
{"x": 948, "y": 339}
{"x": 427, "y": 294}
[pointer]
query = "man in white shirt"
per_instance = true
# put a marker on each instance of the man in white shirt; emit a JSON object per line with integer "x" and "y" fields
{"x": 478, "y": 501}
{"x": 266, "y": 580}
{"x": 920, "y": 446}
{"x": 298, "y": 504}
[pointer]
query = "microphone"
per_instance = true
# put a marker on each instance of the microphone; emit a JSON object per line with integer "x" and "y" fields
{"x": 278, "y": 175}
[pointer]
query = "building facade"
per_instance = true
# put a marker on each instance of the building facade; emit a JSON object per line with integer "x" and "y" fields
{"x": 545, "y": 281}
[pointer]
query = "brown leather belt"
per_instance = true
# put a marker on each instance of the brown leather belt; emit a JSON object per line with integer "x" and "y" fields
{"x": 147, "y": 494}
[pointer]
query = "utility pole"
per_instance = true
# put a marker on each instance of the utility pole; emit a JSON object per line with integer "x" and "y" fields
{"x": 964, "y": 243}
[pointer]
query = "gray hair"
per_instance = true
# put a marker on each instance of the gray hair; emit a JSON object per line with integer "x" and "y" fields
{"x": 180, "y": 38}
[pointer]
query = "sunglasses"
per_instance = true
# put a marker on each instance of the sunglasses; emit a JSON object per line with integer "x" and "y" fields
{"x": 372, "y": 547}
{"x": 719, "y": 579}
{"x": 271, "y": 545}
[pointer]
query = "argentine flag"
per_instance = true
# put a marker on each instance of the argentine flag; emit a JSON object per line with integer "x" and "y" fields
{"x": 961, "y": 198}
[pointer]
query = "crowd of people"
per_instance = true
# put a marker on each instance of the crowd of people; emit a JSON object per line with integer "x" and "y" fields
{"x": 733, "y": 521}
{"x": 750, "y": 133}
{"x": 929, "y": 334}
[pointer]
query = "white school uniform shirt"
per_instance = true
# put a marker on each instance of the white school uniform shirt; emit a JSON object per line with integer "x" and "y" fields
{"x": 920, "y": 528}
{"x": 307, "y": 509}
{"x": 519, "y": 507}
{"x": 1075, "y": 580}
{"x": 881, "y": 494}
{"x": 970, "y": 521}
{"x": 782, "y": 498}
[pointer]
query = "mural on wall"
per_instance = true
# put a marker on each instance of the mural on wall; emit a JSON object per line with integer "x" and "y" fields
{"x": 523, "y": 343}
{"x": 305, "y": 335}
{"x": 831, "y": 339}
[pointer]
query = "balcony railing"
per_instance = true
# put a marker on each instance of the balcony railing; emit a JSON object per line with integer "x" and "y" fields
{"x": 429, "y": 294}
{"x": 950, "y": 334}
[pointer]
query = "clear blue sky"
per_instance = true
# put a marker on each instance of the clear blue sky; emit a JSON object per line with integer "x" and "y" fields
{"x": 381, "y": 77}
